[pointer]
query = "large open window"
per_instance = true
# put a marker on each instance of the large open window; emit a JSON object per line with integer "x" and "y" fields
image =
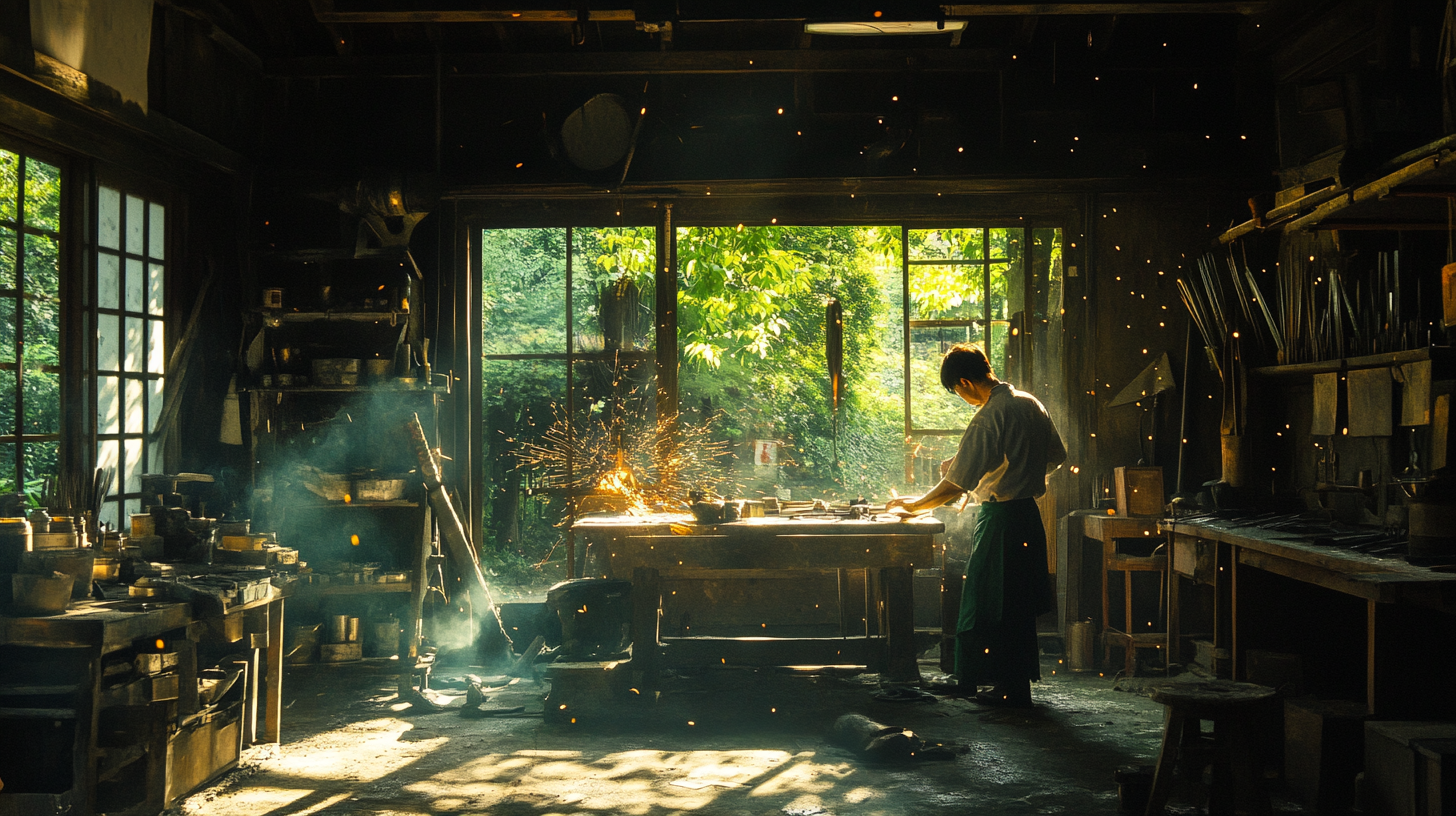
{"x": 569, "y": 399}
{"x": 30, "y": 321}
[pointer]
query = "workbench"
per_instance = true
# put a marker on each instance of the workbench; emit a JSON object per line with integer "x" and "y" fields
{"x": 1367, "y": 627}
{"x": 649, "y": 550}
{"x": 127, "y": 741}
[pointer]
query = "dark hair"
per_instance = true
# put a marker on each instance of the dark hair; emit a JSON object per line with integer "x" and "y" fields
{"x": 964, "y": 361}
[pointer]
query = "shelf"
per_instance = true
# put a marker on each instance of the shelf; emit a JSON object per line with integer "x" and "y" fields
{"x": 353, "y": 505}
{"x": 15, "y": 690}
{"x": 332, "y": 590}
{"x": 345, "y": 389}
{"x": 1437, "y": 354}
{"x": 276, "y": 317}
{"x": 37, "y": 713}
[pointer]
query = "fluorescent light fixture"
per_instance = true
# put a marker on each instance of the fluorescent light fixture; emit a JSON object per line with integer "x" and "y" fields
{"x": 881, "y": 28}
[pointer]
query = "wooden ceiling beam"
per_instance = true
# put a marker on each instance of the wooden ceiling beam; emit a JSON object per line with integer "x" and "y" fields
{"x": 1243, "y": 7}
{"x": 641, "y": 63}
{"x": 332, "y": 15}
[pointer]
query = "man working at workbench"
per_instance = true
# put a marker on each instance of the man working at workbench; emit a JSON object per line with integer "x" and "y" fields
{"x": 1007, "y": 453}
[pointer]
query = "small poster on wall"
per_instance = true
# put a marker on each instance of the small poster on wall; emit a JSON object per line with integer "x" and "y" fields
{"x": 765, "y": 453}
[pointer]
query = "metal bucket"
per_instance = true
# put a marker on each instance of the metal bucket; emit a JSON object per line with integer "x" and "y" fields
{"x": 1080, "y": 654}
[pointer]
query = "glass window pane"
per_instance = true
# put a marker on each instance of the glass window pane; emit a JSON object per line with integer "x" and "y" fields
{"x": 109, "y": 517}
{"x": 135, "y": 285}
{"x": 931, "y": 406}
{"x": 108, "y": 342}
{"x": 156, "y": 352}
{"x": 156, "y": 278}
{"x": 612, "y": 297}
{"x": 7, "y": 459}
{"x": 108, "y": 455}
{"x": 108, "y": 218}
{"x": 960, "y": 244}
{"x": 42, "y": 459}
{"x": 133, "y": 465}
{"x": 108, "y": 280}
{"x": 42, "y": 332}
{"x": 135, "y": 222}
{"x": 42, "y": 195}
{"x": 1006, "y": 244}
{"x": 1005, "y": 283}
{"x": 108, "y": 405}
{"x": 154, "y": 406}
{"x": 42, "y": 267}
{"x": 524, "y": 292}
{"x": 42, "y": 401}
{"x": 133, "y": 348}
{"x": 157, "y": 231}
{"x": 9, "y": 189}
{"x": 7, "y": 403}
{"x": 947, "y": 292}
{"x": 7, "y": 330}
{"x": 7, "y": 258}
{"x": 134, "y": 410}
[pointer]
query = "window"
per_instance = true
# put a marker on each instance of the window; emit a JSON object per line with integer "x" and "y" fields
{"x": 30, "y": 317}
{"x": 128, "y": 309}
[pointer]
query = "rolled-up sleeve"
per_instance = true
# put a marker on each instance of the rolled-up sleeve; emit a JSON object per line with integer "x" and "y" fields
{"x": 980, "y": 453}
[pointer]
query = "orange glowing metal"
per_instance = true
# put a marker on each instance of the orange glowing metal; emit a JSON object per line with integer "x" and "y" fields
{"x": 348, "y": 498}
{"x": 354, "y": 539}
{"x": 161, "y": 644}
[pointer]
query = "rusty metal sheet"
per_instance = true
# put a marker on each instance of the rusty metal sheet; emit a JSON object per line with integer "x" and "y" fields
{"x": 1440, "y": 431}
{"x": 1370, "y": 392}
{"x": 1326, "y": 404}
{"x": 1415, "y": 393}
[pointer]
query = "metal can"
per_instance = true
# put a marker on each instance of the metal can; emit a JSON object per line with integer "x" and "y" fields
{"x": 339, "y": 629}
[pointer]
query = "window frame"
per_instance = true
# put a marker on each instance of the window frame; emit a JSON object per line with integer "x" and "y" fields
{"x": 64, "y": 236}
{"x": 153, "y": 450}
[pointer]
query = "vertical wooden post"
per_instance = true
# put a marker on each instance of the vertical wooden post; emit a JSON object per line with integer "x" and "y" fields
{"x": 273, "y": 706}
{"x": 665, "y": 286}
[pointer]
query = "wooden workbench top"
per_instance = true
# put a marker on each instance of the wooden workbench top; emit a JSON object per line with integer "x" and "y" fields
{"x": 684, "y": 524}
{"x": 110, "y": 624}
{"x": 1384, "y": 579}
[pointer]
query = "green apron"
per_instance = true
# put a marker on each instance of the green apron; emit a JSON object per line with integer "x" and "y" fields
{"x": 1006, "y": 588}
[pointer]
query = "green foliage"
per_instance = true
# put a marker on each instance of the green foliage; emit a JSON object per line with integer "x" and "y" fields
{"x": 29, "y": 263}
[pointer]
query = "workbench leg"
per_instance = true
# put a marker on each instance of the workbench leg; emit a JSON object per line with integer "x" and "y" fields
{"x": 846, "y": 623}
{"x": 897, "y": 585}
{"x": 273, "y": 702}
{"x": 951, "y": 584}
{"x": 1174, "y": 651}
{"x": 646, "y": 622}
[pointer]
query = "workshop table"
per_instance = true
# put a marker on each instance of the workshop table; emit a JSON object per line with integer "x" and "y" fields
{"x": 1391, "y": 617}
{"x": 647, "y": 549}
{"x": 83, "y": 639}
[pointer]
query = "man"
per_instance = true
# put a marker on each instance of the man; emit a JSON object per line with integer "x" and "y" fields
{"x": 1007, "y": 453}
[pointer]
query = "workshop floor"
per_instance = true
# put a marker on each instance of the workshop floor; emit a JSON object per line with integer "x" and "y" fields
{"x": 729, "y": 741}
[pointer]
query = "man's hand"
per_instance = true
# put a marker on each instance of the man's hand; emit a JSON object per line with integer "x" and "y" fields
{"x": 901, "y": 501}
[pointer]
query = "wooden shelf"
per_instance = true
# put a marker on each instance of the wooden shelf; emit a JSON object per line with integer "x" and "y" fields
{"x": 275, "y": 317}
{"x": 353, "y": 505}
{"x": 1438, "y": 354}
{"x": 16, "y": 690}
{"x": 345, "y": 389}
{"x": 37, "y": 713}
{"x": 332, "y": 590}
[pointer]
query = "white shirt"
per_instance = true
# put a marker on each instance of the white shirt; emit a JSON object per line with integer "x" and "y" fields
{"x": 1009, "y": 448}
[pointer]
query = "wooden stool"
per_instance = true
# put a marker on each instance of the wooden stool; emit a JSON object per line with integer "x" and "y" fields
{"x": 1232, "y": 708}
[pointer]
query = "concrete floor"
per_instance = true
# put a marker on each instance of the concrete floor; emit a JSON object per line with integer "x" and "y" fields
{"x": 729, "y": 741}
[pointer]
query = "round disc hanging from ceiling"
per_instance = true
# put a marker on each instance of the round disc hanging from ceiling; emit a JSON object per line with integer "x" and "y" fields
{"x": 598, "y": 134}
